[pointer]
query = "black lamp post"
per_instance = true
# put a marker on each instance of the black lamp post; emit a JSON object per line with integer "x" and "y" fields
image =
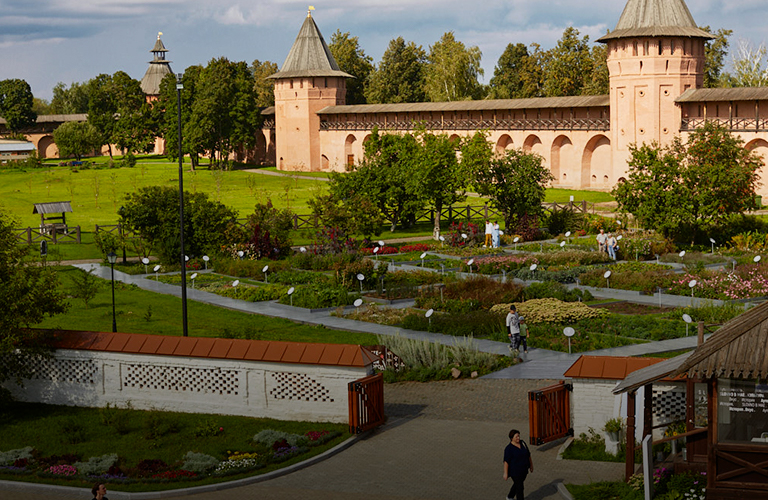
{"x": 112, "y": 258}
{"x": 179, "y": 87}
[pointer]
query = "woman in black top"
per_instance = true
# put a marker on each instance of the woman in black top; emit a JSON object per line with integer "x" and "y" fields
{"x": 517, "y": 463}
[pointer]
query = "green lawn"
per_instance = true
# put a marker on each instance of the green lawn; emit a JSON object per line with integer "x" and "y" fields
{"x": 139, "y": 311}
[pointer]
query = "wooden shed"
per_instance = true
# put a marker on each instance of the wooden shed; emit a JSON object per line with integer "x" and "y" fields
{"x": 733, "y": 364}
{"x": 50, "y": 222}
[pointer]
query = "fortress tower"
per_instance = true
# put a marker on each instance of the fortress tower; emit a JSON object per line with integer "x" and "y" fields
{"x": 309, "y": 80}
{"x": 655, "y": 54}
{"x": 157, "y": 70}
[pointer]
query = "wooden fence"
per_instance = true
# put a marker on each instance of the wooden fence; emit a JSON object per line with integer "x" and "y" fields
{"x": 54, "y": 233}
{"x": 366, "y": 403}
{"x": 549, "y": 413}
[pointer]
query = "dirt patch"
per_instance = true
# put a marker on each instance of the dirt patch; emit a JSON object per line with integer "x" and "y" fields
{"x": 634, "y": 309}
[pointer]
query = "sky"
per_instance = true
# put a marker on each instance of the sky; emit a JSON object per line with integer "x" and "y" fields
{"x": 50, "y": 41}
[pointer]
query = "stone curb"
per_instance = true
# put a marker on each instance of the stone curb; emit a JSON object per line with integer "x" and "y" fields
{"x": 32, "y": 488}
{"x": 564, "y": 491}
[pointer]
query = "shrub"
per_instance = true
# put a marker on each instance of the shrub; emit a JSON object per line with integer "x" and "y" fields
{"x": 254, "y": 293}
{"x": 647, "y": 281}
{"x": 418, "y": 353}
{"x": 477, "y": 324}
{"x": 474, "y": 236}
{"x": 552, "y": 311}
{"x": 10, "y": 456}
{"x": 96, "y": 465}
{"x": 296, "y": 277}
{"x": 72, "y": 431}
{"x": 268, "y": 437}
{"x": 476, "y": 293}
{"x": 550, "y": 289}
{"x": 346, "y": 274}
{"x": 199, "y": 462}
{"x": 250, "y": 268}
{"x": 318, "y": 297}
{"x": 419, "y": 247}
{"x": 320, "y": 262}
{"x": 150, "y": 467}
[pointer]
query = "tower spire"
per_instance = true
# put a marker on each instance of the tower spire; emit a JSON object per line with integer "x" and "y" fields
{"x": 158, "y": 68}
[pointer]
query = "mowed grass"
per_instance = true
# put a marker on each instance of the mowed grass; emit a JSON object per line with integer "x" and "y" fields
{"x": 140, "y": 311}
{"x": 96, "y": 194}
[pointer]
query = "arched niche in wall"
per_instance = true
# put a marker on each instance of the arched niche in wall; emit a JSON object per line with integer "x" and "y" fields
{"x": 563, "y": 158}
{"x": 46, "y": 148}
{"x": 533, "y": 144}
{"x": 349, "y": 150}
{"x": 324, "y": 163}
{"x": 760, "y": 146}
{"x": 596, "y": 162}
{"x": 504, "y": 144}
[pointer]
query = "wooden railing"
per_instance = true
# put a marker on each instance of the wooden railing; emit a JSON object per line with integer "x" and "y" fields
{"x": 549, "y": 413}
{"x": 583, "y": 124}
{"x": 733, "y": 124}
{"x": 366, "y": 403}
{"x": 53, "y": 233}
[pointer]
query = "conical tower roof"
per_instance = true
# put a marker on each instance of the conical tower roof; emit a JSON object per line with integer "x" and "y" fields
{"x": 656, "y": 18}
{"x": 157, "y": 70}
{"x": 309, "y": 56}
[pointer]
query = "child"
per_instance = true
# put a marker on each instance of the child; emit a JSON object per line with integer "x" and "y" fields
{"x": 523, "y": 334}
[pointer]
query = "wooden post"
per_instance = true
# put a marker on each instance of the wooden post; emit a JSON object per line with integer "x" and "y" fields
{"x": 630, "y": 459}
{"x": 701, "y": 333}
{"x": 648, "y": 410}
{"x": 79, "y": 239}
{"x": 29, "y": 236}
{"x": 485, "y": 208}
{"x": 712, "y": 431}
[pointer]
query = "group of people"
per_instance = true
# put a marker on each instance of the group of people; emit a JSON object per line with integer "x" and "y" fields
{"x": 607, "y": 243}
{"x": 492, "y": 234}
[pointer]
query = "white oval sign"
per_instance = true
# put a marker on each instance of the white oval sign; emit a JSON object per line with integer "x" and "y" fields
{"x": 429, "y": 313}
{"x": 361, "y": 277}
{"x": 442, "y": 238}
{"x": 619, "y": 237}
{"x": 501, "y": 233}
{"x": 607, "y": 275}
{"x": 712, "y": 240}
{"x": 569, "y": 332}
{"x": 157, "y": 268}
{"x": 236, "y": 282}
{"x": 562, "y": 244}
{"x": 302, "y": 250}
{"x": 240, "y": 253}
{"x": 517, "y": 238}
{"x": 533, "y": 267}
{"x": 358, "y": 302}
{"x": 265, "y": 269}
{"x": 381, "y": 243}
{"x": 470, "y": 262}
{"x": 682, "y": 254}
{"x": 687, "y": 318}
{"x": 145, "y": 261}
{"x": 291, "y": 290}
{"x": 423, "y": 255}
{"x": 464, "y": 235}
{"x": 194, "y": 275}
{"x": 568, "y": 234}
{"x": 376, "y": 250}
{"x": 757, "y": 259}
{"x": 692, "y": 283}
{"x": 206, "y": 258}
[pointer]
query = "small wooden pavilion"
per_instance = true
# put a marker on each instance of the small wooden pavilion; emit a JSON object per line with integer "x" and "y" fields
{"x": 56, "y": 207}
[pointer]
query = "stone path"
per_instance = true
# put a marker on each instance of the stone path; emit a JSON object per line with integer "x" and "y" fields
{"x": 442, "y": 440}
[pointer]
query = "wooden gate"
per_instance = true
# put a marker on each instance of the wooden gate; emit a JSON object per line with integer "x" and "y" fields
{"x": 366, "y": 403}
{"x": 549, "y": 413}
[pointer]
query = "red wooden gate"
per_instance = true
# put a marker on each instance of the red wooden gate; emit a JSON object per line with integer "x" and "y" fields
{"x": 549, "y": 413}
{"x": 366, "y": 403}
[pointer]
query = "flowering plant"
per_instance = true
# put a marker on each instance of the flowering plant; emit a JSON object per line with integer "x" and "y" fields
{"x": 62, "y": 470}
{"x": 174, "y": 474}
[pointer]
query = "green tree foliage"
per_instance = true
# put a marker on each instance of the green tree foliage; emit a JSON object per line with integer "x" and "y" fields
{"x": 511, "y": 77}
{"x": 76, "y": 139}
{"x": 85, "y": 285}
{"x": 224, "y": 116}
{"x": 569, "y": 65}
{"x": 352, "y": 59}
{"x": 515, "y": 182}
{"x": 599, "y": 82}
{"x": 354, "y": 215}
{"x": 683, "y": 189}
{"x": 70, "y": 101}
{"x": 453, "y": 71}
{"x": 41, "y": 106}
{"x": 265, "y": 89}
{"x": 750, "y": 68}
{"x": 714, "y": 57}
{"x": 270, "y": 229}
{"x": 16, "y": 101}
{"x": 400, "y": 75}
{"x": 153, "y": 212}
{"x": 30, "y": 293}
{"x": 167, "y": 110}
{"x": 442, "y": 178}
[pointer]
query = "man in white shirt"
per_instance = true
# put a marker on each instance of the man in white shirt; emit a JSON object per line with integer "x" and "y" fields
{"x": 488, "y": 234}
{"x": 513, "y": 327}
{"x": 601, "y": 239}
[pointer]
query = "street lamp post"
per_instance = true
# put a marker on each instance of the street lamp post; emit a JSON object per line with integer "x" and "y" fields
{"x": 112, "y": 258}
{"x": 179, "y": 87}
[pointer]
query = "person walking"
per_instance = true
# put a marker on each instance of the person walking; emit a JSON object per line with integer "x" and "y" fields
{"x": 488, "y": 234}
{"x": 517, "y": 464}
{"x": 523, "y": 334}
{"x": 601, "y": 239}
{"x": 513, "y": 326}
{"x": 99, "y": 491}
{"x": 611, "y": 244}
{"x": 496, "y": 235}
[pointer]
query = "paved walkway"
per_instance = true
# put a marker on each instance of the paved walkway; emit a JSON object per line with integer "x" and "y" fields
{"x": 442, "y": 440}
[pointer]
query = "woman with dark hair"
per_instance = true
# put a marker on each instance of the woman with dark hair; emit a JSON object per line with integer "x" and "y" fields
{"x": 517, "y": 463}
{"x": 99, "y": 491}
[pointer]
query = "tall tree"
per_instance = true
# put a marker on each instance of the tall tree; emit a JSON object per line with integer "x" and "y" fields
{"x": 69, "y": 101}
{"x": 453, "y": 71}
{"x": 224, "y": 114}
{"x": 352, "y": 59}
{"x": 749, "y": 66}
{"x": 400, "y": 75}
{"x": 16, "y": 102}
{"x": 516, "y": 182}
{"x": 75, "y": 139}
{"x": 167, "y": 110}
{"x": 714, "y": 57}
{"x": 508, "y": 80}
{"x": 599, "y": 82}
{"x": 688, "y": 187}
{"x": 265, "y": 89}
{"x": 30, "y": 293}
{"x": 569, "y": 66}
